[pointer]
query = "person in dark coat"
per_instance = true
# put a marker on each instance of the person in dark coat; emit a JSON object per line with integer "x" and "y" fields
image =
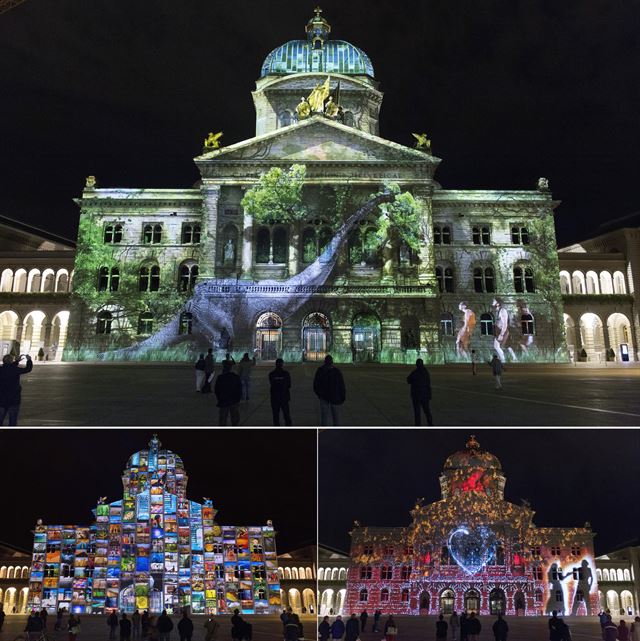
{"x": 352, "y": 628}
{"x": 228, "y": 390}
{"x": 293, "y": 628}
{"x": 185, "y": 627}
{"x": 209, "y": 368}
{"x": 34, "y": 626}
{"x": 328, "y": 384}
{"x": 280, "y": 386}
{"x": 144, "y": 621}
{"x": 473, "y": 627}
{"x": 441, "y": 628}
{"x": 556, "y": 627}
{"x": 164, "y": 625}
{"x": 500, "y": 629}
{"x": 364, "y": 615}
{"x": 125, "y": 628}
{"x": 337, "y": 628}
{"x": 324, "y": 630}
{"x": 10, "y": 389}
{"x": 464, "y": 626}
{"x": 240, "y": 629}
{"x": 420, "y": 382}
{"x": 200, "y": 375}
{"x": 112, "y": 622}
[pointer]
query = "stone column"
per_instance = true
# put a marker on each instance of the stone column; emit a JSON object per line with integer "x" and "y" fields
{"x": 208, "y": 251}
{"x": 426, "y": 269}
{"x": 247, "y": 246}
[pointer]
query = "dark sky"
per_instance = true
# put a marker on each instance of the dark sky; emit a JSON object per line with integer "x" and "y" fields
{"x": 569, "y": 477}
{"x": 58, "y": 475}
{"x": 509, "y": 90}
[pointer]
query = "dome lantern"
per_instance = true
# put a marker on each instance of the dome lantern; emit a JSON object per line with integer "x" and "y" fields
{"x": 318, "y": 30}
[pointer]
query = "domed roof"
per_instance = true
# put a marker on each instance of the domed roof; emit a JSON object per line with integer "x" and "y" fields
{"x": 317, "y": 54}
{"x": 155, "y": 458}
{"x": 472, "y": 457}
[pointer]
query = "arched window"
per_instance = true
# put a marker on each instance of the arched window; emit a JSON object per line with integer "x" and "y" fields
{"x": 441, "y": 235}
{"x": 263, "y": 245}
{"x": 626, "y": 575}
{"x": 526, "y": 322}
{"x": 519, "y": 235}
{"x": 404, "y": 595}
{"x": 35, "y": 279}
{"x": 363, "y": 596}
{"x": 342, "y": 575}
{"x": 486, "y": 324}
{"x": 6, "y": 283}
{"x": 280, "y": 245}
{"x": 321, "y": 574}
{"x": 384, "y": 595}
{"x": 565, "y": 283}
{"x": 294, "y": 573}
{"x": 103, "y": 322}
{"x": 620, "y": 575}
{"x": 108, "y": 279}
{"x": 186, "y": 323}
{"x": 483, "y": 280}
{"x": 481, "y": 234}
{"x": 188, "y": 277}
{"x": 444, "y": 276}
{"x": 113, "y": 233}
{"x": 152, "y": 234}
{"x": 605, "y": 574}
{"x": 599, "y": 574}
{"x": 149, "y": 278}
{"x": 446, "y": 324}
{"x": 619, "y": 286}
{"x": 62, "y": 280}
{"x": 190, "y": 233}
{"x": 606, "y": 283}
{"x": 48, "y": 281}
{"x": 145, "y": 324}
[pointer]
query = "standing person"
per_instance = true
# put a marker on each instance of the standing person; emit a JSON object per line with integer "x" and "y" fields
{"x": 293, "y": 628}
{"x": 324, "y": 630}
{"x": 328, "y": 384}
{"x": 2, "y": 616}
{"x": 185, "y": 627}
{"x": 420, "y": 383}
{"x": 496, "y": 368}
{"x": 634, "y": 630}
{"x": 474, "y": 362}
{"x": 209, "y": 369}
{"x": 34, "y": 626}
{"x": 154, "y": 634}
{"x": 364, "y": 615}
{"x": 58, "y": 624}
{"x": 454, "y": 625}
{"x": 500, "y": 629}
{"x": 390, "y": 629}
{"x": 464, "y": 626}
{"x": 228, "y": 392}
{"x": 164, "y": 626}
{"x": 602, "y": 617}
{"x": 144, "y": 622}
{"x": 125, "y": 628}
{"x": 352, "y": 628}
{"x": 441, "y": 628}
{"x": 376, "y": 620}
{"x": 43, "y": 615}
{"x": 73, "y": 626}
{"x": 556, "y": 628}
{"x": 473, "y": 627}
{"x": 245, "y": 366}
{"x": 337, "y": 628}
{"x": 284, "y": 616}
{"x": 229, "y": 359}
{"x": 211, "y": 626}
{"x": 135, "y": 623}
{"x": 237, "y": 626}
{"x": 200, "y": 375}
{"x": 112, "y": 622}
{"x": 623, "y": 631}
{"x": 280, "y": 386}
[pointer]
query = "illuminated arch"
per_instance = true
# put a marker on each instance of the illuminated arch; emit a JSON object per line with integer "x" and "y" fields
{"x": 316, "y": 336}
{"x": 592, "y": 336}
{"x": 605, "y": 575}
{"x": 309, "y": 600}
{"x": 341, "y": 597}
{"x": 619, "y": 330}
{"x": 620, "y": 575}
{"x": 269, "y": 336}
{"x": 48, "y": 284}
{"x": 592, "y": 283}
{"x": 309, "y": 573}
{"x": 613, "y": 601}
{"x": 9, "y": 601}
{"x": 320, "y": 574}
{"x": 9, "y": 324}
{"x": 626, "y": 601}
{"x": 20, "y": 281}
{"x": 62, "y": 280}
{"x": 626, "y": 575}
{"x": 335, "y": 573}
{"x": 295, "y": 601}
{"x": 619, "y": 285}
{"x": 6, "y": 280}
{"x": 34, "y": 281}
{"x": 3, "y": 572}
{"x": 577, "y": 283}
{"x": 326, "y": 602}
{"x": 58, "y": 339}
{"x": 23, "y": 600}
{"x": 294, "y": 573}
{"x": 497, "y": 601}
{"x": 287, "y": 573}
{"x": 343, "y": 574}
{"x": 565, "y": 282}
{"x": 33, "y": 332}
{"x": 598, "y": 574}
{"x": 447, "y": 601}
{"x": 606, "y": 283}
{"x": 472, "y": 601}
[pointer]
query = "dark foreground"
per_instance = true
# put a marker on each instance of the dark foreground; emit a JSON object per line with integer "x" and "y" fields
{"x": 137, "y": 394}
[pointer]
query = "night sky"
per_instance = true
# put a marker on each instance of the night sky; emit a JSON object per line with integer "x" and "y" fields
{"x": 568, "y": 476}
{"x": 509, "y": 90}
{"x": 58, "y": 475}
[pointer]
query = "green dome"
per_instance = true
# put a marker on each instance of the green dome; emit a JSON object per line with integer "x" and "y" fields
{"x": 317, "y": 54}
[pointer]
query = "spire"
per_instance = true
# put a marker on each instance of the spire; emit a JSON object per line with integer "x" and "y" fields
{"x": 472, "y": 443}
{"x": 318, "y": 30}
{"x": 154, "y": 443}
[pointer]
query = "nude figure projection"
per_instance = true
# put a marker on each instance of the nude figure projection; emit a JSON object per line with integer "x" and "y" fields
{"x": 464, "y": 334}
{"x": 501, "y": 340}
{"x": 581, "y": 593}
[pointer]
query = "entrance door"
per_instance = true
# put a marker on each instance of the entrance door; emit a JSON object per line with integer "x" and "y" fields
{"x": 497, "y": 602}
{"x": 268, "y": 343}
{"x": 315, "y": 343}
{"x": 365, "y": 338}
{"x": 472, "y": 601}
{"x": 447, "y": 600}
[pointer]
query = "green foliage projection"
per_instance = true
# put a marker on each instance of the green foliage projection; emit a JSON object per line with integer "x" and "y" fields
{"x": 402, "y": 217}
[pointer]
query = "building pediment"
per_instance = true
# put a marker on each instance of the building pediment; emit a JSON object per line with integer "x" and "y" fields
{"x": 317, "y": 140}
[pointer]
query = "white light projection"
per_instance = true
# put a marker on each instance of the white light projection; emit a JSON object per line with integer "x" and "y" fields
{"x": 472, "y": 548}
{"x": 226, "y": 304}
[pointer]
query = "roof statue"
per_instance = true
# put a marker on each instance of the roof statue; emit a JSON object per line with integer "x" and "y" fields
{"x": 212, "y": 141}
{"x": 317, "y": 97}
{"x": 424, "y": 144}
{"x": 303, "y": 109}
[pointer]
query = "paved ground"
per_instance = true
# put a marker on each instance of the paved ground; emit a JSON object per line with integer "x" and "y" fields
{"x": 162, "y": 394}
{"x": 520, "y": 628}
{"x": 94, "y": 628}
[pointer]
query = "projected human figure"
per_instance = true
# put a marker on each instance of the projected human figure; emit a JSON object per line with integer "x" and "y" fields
{"x": 464, "y": 334}
{"x": 501, "y": 340}
{"x": 585, "y": 581}
{"x": 555, "y": 578}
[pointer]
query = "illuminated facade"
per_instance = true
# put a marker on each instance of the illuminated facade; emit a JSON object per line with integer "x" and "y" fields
{"x": 14, "y": 578}
{"x": 288, "y": 289}
{"x": 155, "y": 549}
{"x": 473, "y": 551}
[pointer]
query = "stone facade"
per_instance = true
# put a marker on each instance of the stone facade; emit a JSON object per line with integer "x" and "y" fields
{"x": 14, "y": 578}
{"x": 297, "y": 574}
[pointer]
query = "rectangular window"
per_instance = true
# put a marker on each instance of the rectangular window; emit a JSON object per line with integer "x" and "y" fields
{"x": 386, "y": 573}
{"x": 555, "y": 550}
{"x": 367, "y": 550}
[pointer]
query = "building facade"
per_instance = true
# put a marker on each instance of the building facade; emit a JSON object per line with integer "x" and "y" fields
{"x": 599, "y": 279}
{"x": 472, "y": 551}
{"x": 155, "y": 549}
{"x": 183, "y": 269}
{"x": 332, "y": 580}
{"x": 14, "y": 578}
{"x": 36, "y": 274}
{"x": 298, "y": 576}
{"x": 618, "y": 575}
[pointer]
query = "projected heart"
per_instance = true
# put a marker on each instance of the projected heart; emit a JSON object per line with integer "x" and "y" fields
{"x": 472, "y": 548}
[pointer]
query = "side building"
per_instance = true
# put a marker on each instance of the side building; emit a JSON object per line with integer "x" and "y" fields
{"x": 14, "y": 578}
{"x": 297, "y": 571}
{"x": 155, "y": 550}
{"x": 472, "y": 551}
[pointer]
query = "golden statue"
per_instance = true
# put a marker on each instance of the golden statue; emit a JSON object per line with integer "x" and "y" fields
{"x": 318, "y": 96}
{"x": 423, "y": 142}
{"x": 303, "y": 109}
{"x": 90, "y": 182}
{"x": 212, "y": 141}
{"x": 331, "y": 108}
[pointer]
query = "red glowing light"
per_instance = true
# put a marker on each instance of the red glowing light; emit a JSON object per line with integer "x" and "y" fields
{"x": 473, "y": 483}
